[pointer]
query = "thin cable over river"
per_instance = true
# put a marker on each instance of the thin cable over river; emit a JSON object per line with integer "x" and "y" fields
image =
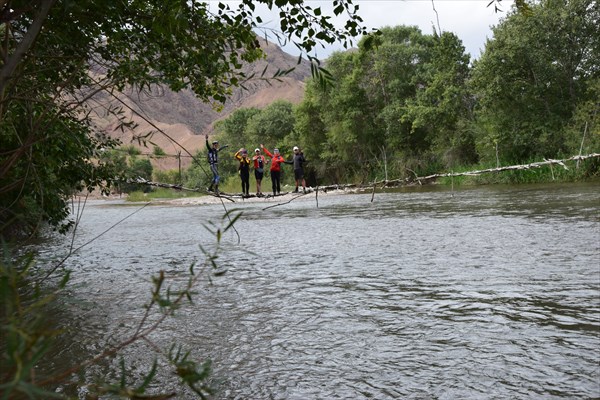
{"x": 489, "y": 292}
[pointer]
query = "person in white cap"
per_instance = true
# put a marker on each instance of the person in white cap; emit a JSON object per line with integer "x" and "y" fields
{"x": 259, "y": 169}
{"x": 298, "y": 161}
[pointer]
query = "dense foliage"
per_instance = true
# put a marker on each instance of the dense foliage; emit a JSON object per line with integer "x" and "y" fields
{"x": 409, "y": 103}
{"x": 533, "y": 77}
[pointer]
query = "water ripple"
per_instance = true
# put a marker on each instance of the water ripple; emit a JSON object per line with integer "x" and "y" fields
{"x": 483, "y": 293}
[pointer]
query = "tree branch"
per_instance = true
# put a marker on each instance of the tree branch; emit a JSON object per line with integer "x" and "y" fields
{"x": 28, "y": 40}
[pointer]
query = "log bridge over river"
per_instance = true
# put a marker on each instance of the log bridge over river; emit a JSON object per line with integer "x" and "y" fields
{"x": 394, "y": 182}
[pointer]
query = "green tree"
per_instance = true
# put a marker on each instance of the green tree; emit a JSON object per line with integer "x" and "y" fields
{"x": 116, "y": 161}
{"x": 197, "y": 175}
{"x": 399, "y": 101}
{"x": 442, "y": 102}
{"x": 345, "y": 112}
{"x": 583, "y": 132}
{"x": 172, "y": 176}
{"x": 137, "y": 168}
{"x": 233, "y": 130}
{"x": 38, "y": 172}
{"x": 393, "y": 69}
{"x": 130, "y": 150}
{"x": 532, "y": 77}
{"x": 272, "y": 125}
{"x": 158, "y": 152}
{"x": 310, "y": 133}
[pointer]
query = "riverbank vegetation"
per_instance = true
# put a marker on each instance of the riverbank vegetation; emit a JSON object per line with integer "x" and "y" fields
{"x": 407, "y": 104}
{"x": 412, "y": 104}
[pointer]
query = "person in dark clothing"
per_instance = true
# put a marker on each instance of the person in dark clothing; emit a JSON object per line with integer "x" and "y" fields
{"x": 244, "y": 170}
{"x": 213, "y": 161}
{"x": 276, "y": 161}
{"x": 298, "y": 161}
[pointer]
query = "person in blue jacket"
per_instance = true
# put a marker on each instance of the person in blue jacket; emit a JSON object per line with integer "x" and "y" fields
{"x": 213, "y": 161}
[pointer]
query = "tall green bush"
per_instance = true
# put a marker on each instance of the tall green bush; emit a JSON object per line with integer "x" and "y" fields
{"x": 534, "y": 75}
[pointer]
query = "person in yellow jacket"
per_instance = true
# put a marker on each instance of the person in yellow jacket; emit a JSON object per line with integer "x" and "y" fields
{"x": 244, "y": 170}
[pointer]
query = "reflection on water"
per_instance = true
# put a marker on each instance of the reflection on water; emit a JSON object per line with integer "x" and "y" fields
{"x": 478, "y": 293}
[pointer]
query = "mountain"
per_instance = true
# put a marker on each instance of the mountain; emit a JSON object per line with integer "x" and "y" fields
{"x": 185, "y": 119}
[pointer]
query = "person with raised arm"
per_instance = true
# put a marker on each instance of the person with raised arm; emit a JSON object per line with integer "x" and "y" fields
{"x": 213, "y": 161}
{"x": 244, "y": 169}
{"x": 276, "y": 161}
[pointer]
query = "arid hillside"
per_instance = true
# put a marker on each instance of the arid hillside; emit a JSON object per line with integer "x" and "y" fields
{"x": 177, "y": 122}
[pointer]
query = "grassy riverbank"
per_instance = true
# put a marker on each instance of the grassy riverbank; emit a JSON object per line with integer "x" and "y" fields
{"x": 229, "y": 186}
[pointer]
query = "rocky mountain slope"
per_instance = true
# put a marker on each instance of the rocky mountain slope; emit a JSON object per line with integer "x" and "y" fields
{"x": 183, "y": 120}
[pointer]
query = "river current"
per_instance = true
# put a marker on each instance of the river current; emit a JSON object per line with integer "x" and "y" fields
{"x": 427, "y": 293}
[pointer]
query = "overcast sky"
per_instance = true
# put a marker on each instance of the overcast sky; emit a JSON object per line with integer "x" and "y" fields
{"x": 470, "y": 20}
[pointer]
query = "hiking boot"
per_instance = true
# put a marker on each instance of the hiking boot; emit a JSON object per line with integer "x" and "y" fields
{"x": 295, "y": 191}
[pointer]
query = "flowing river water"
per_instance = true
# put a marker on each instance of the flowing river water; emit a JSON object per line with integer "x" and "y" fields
{"x": 427, "y": 293}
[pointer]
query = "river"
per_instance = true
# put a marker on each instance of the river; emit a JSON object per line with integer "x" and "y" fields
{"x": 424, "y": 293}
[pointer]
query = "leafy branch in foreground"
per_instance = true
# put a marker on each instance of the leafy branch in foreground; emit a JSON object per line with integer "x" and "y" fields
{"x": 29, "y": 336}
{"x": 26, "y": 336}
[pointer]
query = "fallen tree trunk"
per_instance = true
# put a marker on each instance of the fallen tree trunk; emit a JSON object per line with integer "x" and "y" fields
{"x": 396, "y": 182}
{"x": 143, "y": 181}
{"x": 539, "y": 164}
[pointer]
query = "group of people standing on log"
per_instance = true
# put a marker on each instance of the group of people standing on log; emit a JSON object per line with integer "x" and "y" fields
{"x": 258, "y": 162}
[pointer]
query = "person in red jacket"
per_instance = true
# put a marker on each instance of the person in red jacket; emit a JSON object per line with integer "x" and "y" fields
{"x": 276, "y": 161}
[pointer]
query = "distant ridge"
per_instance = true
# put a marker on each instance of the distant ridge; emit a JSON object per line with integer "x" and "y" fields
{"x": 186, "y": 120}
